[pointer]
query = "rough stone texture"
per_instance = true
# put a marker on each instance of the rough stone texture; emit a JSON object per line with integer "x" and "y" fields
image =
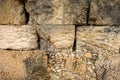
{"x": 57, "y": 11}
{"x": 94, "y": 42}
{"x": 71, "y": 52}
{"x": 18, "y": 37}
{"x": 65, "y": 65}
{"x": 23, "y": 65}
{"x": 108, "y": 68}
{"x": 105, "y": 12}
{"x": 12, "y": 12}
{"x": 68, "y": 65}
{"x": 101, "y": 39}
{"x": 58, "y": 36}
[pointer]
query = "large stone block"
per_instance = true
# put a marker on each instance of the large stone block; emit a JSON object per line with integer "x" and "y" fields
{"x": 23, "y": 65}
{"x": 101, "y": 39}
{"x": 18, "y": 37}
{"x": 105, "y": 12}
{"x": 58, "y": 36}
{"x": 12, "y": 12}
{"x": 57, "y": 11}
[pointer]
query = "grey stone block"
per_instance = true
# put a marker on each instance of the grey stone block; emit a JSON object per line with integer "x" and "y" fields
{"x": 57, "y": 11}
{"x": 105, "y": 12}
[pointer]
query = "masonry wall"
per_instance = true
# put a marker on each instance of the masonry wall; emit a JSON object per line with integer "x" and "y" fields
{"x": 59, "y": 40}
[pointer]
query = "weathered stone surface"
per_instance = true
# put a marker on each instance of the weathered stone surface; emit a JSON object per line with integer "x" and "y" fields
{"x": 23, "y": 65}
{"x": 94, "y": 42}
{"x": 108, "y": 68}
{"x": 18, "y": 37}
{"x": 57, "y": 11}
{"x": 58, "y": 36}
{"x": 93, "y": 39}
{"x": 12, "y": 12}
{"x": 65, "y": 65}
{"x": 105, "y": 12}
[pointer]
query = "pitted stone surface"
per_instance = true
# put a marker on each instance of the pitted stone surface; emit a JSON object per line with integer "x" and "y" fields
{"x": 105, "y": 12}
{"x": 18, "y": 37}
{"x": 12, "y": 12}
{"x": 65, "y": 64}
{"x": 57, "y": 11}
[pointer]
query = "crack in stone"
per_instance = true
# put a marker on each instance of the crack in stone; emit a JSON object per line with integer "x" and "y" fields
{"x": 88, "y": 11}
{"x": 75, "y": 39}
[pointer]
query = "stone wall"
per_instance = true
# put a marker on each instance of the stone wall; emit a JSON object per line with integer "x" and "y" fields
{"x": 59, "y": 40}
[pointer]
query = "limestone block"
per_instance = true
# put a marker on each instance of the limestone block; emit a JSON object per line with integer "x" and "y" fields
{"x": 98, "y": 40}
{"x": 57, "y": 11}
{"x": 18, "y": 37}
{"x": 12, "y": 12}
{"x": 23, "y": 65}
{"x": 59, "y": 36}
{"x": 105, "y": 12}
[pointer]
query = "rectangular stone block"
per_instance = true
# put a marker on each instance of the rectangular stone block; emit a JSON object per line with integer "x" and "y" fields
{"x": 12, "y": 12}
{"x": 98, "y": 39}
{"x": 23, "y": 65}
{"x": 105, "y": 12}
{"x": 18, "y": 37}
{"x": 58, "y": 36}
{"x": 57, "y": 11}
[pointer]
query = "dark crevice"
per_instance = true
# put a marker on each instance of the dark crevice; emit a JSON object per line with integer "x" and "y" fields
{"x": 48, "y": 58}
{"x": 38, "y": 40}
{"x": 88, "y": 11}
{"x": 27, "y": 15}
{"x": 75, "y": 39}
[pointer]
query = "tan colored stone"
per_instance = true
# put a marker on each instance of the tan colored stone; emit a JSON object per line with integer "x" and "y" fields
{"x": 18, "y": 37}
{"x": 69, "y": 63}
{"x": 88, "y": 55}
{"x": 59, "y": 36}
{"x": 57, "y": 11}
{"x": 12, "y": 12}
{"x": 22, "y": 65}
{"x": 81, "y": 70}
{"x": 105, "y": 12}
{"x": 98, "y": 40}
{"x": 108, "y": 68}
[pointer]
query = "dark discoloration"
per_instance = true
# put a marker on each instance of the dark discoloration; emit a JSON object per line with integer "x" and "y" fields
{"x": 106, "y": 12}
{"x": 107, "y": 68}
{"x": 77, "y": 9}
{"x": 38, "y": 8}
{"x": 57, "y": 11}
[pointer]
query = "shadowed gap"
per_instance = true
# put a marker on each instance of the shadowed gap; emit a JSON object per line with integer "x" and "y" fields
{"x": 75, "y": 39}
{"x": 27, "y": 15}
{"x": 88, "y": 11}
